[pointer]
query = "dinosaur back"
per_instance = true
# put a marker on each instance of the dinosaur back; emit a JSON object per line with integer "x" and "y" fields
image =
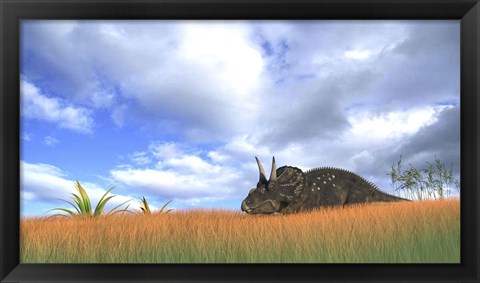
{"x": 328, "y": 186}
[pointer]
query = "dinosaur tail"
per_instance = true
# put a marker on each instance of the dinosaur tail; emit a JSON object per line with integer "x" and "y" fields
{"x": 382, "y": 196}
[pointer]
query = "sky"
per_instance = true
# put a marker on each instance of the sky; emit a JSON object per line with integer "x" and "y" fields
{"x": 178, "y": 110}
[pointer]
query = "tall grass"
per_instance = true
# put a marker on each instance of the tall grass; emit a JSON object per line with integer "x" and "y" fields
{"x": 405, "y": 232}
{"x": 413, "y": 184}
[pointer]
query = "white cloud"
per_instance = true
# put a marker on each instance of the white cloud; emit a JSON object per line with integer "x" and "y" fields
{"x": 166, "y": 184}
{"x": 180, "y": 173}
{"x": 395, "y": 124}
{"x": 203, "y": 75}
{"x": 43, "y": 181}
{"x": 48, "y": 183}
{"x": 245, "y": 145}
{"x": 140, "y": 158}
{"x": 217, "y": 157}
{"x": 27, "y": 136}
{"x": 27, "y": 196}
{"x": 234, "y": 62}
{"x": 196, "y": 202}
{"x": 118, "y": 115}
{"x": 36, "y": 105}
{"x": 164, "y": 150}
{"x": 192, "y": 163}
{"x": 357, "y": 54}
{"x": 211, "y": 80}
{"x": 50, "y": 141}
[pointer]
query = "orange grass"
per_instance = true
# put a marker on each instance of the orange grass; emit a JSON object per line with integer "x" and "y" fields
{"x": 405, "y": 232}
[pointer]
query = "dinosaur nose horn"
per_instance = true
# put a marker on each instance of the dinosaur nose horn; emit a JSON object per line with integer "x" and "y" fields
{"x": 263, "y": 177}
{"x": 273, "y": 174}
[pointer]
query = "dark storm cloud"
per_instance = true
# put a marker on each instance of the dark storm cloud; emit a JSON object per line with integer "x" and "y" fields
{"x": 313, "y": 107}
{"x": 421, "y": 70}
{"x": 313, "y": 115}
{"x": 440, "y": 139}
{"x": 409, "y": 65}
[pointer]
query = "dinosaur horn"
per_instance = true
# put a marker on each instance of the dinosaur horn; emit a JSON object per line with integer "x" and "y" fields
{"x": 263, "y": 177}
{"x": 273, "y": 174}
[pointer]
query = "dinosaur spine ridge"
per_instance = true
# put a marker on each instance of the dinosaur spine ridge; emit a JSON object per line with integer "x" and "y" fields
{"x": 348, "y": 171}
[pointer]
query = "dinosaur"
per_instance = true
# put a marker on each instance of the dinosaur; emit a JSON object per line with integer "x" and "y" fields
{"x": 290, "y": 190}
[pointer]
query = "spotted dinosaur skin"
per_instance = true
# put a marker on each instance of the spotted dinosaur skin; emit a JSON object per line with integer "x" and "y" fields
{"x": 294, "y": 190}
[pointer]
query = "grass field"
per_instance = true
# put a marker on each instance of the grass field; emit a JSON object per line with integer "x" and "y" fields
{"x": 405, "y": 232}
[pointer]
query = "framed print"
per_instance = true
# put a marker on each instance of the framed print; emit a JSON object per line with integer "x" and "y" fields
{"x": 239, "y": 141}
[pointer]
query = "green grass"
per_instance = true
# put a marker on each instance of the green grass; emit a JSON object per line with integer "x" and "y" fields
{"x": 405, "y": 232}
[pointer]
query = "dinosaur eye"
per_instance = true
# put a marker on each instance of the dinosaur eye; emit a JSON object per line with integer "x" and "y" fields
{"x": 271, "y": 186}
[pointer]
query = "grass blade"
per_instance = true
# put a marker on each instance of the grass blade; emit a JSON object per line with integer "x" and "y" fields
{"x": 85, "y": 198}
{"x": 165, "y": 205}
{"x": 144, "y": 206}
{"x": 123, "y": 210}
{"x": 80, "y": 204}
{"x": 57, "y": 215}
{"x": 63, "y": 209}
{"x": 100, "y": 206}
{"x": 115, "y": 208}
{"x": 74, "y": 206}
{"x": 101, "y": 202}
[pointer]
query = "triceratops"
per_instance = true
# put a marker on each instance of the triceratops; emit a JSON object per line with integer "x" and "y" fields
{"x": 289, "y": 189}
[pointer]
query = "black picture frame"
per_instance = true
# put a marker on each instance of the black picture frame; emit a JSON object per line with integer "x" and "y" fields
{"x": 12, "y": 11}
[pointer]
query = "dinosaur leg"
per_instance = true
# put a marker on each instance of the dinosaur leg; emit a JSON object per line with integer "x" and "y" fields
{"x": 344, "y": 199}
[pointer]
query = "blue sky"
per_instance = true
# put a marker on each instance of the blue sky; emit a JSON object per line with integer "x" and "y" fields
{"x": 177, "y": 110}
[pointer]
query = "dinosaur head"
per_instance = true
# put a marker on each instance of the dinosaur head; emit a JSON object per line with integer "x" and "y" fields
{"x": 275, "y": 194}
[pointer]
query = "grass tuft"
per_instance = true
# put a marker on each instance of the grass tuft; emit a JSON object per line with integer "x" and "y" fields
{"x": 145, "y": 208}
{"x": 83, "y": 207}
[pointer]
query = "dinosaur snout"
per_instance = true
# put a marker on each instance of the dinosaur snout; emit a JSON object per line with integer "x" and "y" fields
{"x": 245, "y": 207}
